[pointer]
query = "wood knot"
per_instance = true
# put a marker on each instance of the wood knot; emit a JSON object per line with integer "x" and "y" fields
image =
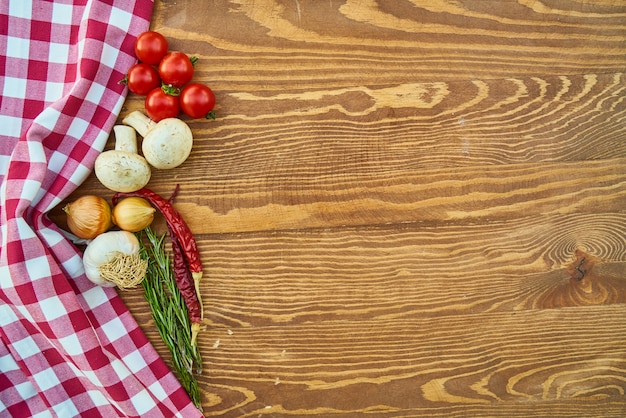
{"x": 594, "y": 280}
{"x": 581, "y": 270}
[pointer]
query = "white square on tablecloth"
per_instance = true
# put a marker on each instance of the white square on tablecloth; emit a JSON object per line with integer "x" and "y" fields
{"x": 38, "y": 267}
{"x": 46, "y": 379}
{"x": 90, "y": 375}
{"x": 65, "y": 409}
{"x": 78, "y": 128}
{"x": 121, "y": 369}
{"x": 71, "y": 344}
{"x": 6, "y": 314}
{"x": 26, "y": 347}
{"x": 80, "y": 174}
{"x": 97, "y": 398}
{"x": 95, "y": 93}
{"x": 23, "y": 310}
{"x": 142, "y": 401}
{"x": 49, "y": 117}
{"x": 94, "y": 296}
{"x": 26, "y": 390}
{"x": 135, "y": 361}
{"x": 120, "y": 18}
{"x": 58, "y": 53}
{"x": 22, "y": 9}
{"x": 9, "y": 126}
{"x": 62, "y": 13}
{"x": 14, "y": 87}
{"x": 54, "y": 91}
{"x": 31, "y": 189}
{"x": 18, "y": 47}
{"x": 109, "y": 56}
{"x": 114, "y": 329}
{"x": 157, "y": 390}
{"x": 43, "y": 414}
{"x": 7, "y": 364}
{"x": 57, "y": 161}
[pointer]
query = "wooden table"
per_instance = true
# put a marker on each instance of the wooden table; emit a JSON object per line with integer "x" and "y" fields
{"x": 406, "y": 208}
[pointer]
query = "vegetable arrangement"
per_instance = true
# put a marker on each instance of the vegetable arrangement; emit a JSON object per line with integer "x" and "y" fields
{"x": 122, "y": 250}
{"x": 187, "y": 265}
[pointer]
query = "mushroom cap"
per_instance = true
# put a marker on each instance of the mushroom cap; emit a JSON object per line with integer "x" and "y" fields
{"x": 122, "y": 171}
{"x": 168, "y": 144}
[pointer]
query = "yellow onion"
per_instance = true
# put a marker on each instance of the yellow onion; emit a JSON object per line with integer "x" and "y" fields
{"x": 88, "y": 216}
{"x": 133, "y": 214}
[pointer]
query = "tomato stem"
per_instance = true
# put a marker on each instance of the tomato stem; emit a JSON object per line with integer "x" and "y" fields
{"x": 170, "y": 90}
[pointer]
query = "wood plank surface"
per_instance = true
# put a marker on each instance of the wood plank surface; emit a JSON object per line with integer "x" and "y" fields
{"x": 405, "y": 207}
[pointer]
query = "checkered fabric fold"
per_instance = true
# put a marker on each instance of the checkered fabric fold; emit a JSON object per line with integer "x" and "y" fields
{"x": 67, "y": 347}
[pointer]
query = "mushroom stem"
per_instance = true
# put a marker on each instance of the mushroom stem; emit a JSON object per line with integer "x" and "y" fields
{"x": 142, "y": 123}
{"x": 125, "y": 138}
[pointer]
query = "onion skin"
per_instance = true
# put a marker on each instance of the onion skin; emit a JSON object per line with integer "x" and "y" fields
{"x": 88, "y": 216}
{"x": 133, "y": 214}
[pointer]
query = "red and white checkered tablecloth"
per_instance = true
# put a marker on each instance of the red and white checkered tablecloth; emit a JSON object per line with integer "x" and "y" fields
{"x": 67, "y": 348}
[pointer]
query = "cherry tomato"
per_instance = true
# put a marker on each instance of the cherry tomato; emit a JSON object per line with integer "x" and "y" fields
{"x": 150, "y": 47}
{"x": 160, "y": 105}
{"x": 197, "y": 101}
{"x": 176, "y": 68}
{"x": 142, "y": 78}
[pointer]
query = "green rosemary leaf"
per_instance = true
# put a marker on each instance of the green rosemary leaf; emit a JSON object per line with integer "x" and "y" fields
{"x": 170, "y": 313}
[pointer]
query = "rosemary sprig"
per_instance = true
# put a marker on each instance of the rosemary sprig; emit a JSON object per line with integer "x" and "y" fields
{"x": 170, "y": 313}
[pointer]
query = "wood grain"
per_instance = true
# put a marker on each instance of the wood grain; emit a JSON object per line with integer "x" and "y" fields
{"x": 386, "y": 272}
{"x": 405, "y": 208}
{"x": 379, "y": 367}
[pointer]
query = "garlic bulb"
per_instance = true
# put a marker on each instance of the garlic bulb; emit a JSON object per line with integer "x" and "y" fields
{"x": 112, "y": 259}
{"x": 133, "y": 214}
{"x": 88, "y": 216}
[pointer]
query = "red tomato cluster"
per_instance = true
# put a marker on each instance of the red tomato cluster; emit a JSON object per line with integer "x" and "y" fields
{"x": 164, "y": 78}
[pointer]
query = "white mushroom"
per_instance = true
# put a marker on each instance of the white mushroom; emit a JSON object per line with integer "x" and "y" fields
{"x": 122, "y": 169}
{"x": 166, "y": 144}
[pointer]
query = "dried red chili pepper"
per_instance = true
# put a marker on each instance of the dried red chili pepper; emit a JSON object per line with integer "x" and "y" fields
{"x": 184, "y": 280}
{"x": 180, "y": 232}
{"x": 181, "y": 271}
